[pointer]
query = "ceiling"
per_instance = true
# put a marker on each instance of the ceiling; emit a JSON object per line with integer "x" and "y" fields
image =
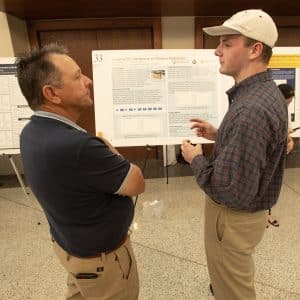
{"x": 60, "y": 9}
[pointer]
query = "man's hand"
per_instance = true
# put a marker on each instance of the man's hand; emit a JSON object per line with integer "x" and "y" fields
{"x": 290, "y": 144}
{"x": 189, "y": 151}
{"x": 204, "y": 129}
{"x": 134, "y": 182}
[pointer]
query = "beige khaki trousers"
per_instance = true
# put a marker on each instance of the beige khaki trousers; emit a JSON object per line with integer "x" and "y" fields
{"x": 230, "y": 240}
{"x": 117, "y": 277}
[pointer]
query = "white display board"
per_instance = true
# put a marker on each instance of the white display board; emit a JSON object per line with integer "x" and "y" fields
{"x": 147, "y": 97}
{"x": 14, "y": 110}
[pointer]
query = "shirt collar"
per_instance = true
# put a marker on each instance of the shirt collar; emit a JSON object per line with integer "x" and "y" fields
{"x": 46, "y": 114}
{"x": 259, "y": 77}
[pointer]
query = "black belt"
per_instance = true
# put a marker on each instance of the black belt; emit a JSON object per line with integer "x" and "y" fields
{"x": 99, "y": 254}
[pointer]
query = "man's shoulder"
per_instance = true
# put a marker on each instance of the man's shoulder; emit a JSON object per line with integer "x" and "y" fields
{"x": 53, "y": 125}
{"x": 262, "y": 96}
{"x": 54, "y": 132}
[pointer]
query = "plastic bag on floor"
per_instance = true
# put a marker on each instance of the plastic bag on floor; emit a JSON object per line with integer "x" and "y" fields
{"x": 153, "y": 209}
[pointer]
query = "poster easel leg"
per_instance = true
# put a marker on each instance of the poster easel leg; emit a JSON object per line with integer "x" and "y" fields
{"x": 19, "y": 176}
{"x": 167, "y": 165}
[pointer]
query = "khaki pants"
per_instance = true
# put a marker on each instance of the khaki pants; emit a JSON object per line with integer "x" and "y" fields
{"x": 117, "y": 275}
{"x": 230, "y": 240}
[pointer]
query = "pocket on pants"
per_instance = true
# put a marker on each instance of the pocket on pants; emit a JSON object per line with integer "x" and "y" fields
{"x": 88, "y": 287}
{"x": 220, "y": 225}
{"x": 108, "y": 283}
{"x": 124, "y": 259}
{"x": 243, "y": 231}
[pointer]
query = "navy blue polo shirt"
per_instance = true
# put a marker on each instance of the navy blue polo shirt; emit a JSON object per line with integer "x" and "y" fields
{"x": 75, "y": 178}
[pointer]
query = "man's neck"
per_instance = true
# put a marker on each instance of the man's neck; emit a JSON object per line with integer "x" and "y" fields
{"x": 250, "y": 71}
{"x": 73, "y": 116}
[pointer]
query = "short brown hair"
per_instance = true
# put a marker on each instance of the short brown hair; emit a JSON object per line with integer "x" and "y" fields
{"x": 286, "y": 90}
{"x": 266, "y": 52}
{"x": 34, "y": 70}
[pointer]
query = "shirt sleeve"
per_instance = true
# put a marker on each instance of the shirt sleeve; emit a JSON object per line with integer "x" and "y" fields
{"x": 233, "y": 177}
{"x": 100, "y": 168}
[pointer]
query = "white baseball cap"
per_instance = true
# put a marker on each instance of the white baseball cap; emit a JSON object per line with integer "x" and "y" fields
{"x": 252, "y": 23}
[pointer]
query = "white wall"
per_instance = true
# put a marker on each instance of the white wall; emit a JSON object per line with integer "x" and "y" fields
{"x": 6, "y": 48}
{"x": 178, "y": 32}
{"x": 19, "y": 35}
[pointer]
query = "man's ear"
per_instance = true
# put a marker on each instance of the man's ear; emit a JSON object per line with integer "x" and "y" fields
{"x": 256, "y": 50}
{"x": 50, "y": 94}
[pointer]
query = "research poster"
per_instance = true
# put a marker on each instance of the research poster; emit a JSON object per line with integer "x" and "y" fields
{"x": 285, "y": 67}
{"x": 14, "y": 110}
{"x": 147, "y": 97}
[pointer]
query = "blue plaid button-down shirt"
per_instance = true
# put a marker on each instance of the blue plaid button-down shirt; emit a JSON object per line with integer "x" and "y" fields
{"x": 245, "y": 170}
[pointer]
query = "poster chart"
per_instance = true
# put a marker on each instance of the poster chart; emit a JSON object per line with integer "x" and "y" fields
{"x": 285, "y": 67}
{"x": 147, "y": 97}
{"x": 14, "y": 110}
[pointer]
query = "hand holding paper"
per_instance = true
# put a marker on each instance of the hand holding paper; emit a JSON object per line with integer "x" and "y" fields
{"x": 189, "y": 151}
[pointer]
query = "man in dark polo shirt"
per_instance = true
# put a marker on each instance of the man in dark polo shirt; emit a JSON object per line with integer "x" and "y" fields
{"x": 81, "y": 181}
{"x": 243, "y": 177}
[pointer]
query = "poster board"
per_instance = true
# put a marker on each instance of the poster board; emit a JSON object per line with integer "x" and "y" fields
{"x": 285, "y": 66}
{"x": 14, "y": 110}
{"x": 147, "y": 97}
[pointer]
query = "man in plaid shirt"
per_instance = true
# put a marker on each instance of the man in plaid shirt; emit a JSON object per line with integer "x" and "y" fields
{"x": 242, "y": 179}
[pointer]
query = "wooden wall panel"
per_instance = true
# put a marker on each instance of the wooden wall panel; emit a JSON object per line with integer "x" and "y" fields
{"x": 62, "y": 9}
{"x": 288, "y": 30}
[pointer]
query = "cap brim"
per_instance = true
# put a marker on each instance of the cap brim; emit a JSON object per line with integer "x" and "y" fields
{"x": 219, "y": 30}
